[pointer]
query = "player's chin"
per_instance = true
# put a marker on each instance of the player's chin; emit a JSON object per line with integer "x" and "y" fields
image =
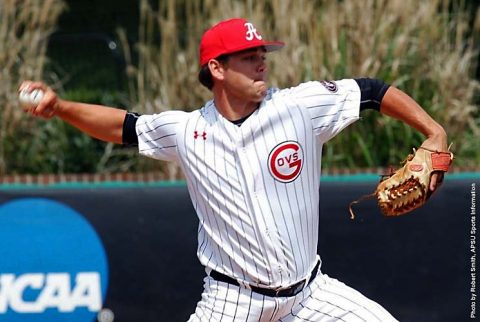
{"x": 260, "y": 83}
{"x": 261, "y": 90}
{"x": 259, "y": 96}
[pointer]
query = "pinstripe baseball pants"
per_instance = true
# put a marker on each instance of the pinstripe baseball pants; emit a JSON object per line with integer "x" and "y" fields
{"x": 325, "y": 299}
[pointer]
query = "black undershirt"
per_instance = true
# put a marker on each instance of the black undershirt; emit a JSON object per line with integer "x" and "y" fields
{"x": 243, "y": 119}
{"x": 372, "y": 92}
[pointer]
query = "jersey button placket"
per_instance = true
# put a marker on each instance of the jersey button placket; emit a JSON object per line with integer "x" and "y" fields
{"x": 245, "y": 167}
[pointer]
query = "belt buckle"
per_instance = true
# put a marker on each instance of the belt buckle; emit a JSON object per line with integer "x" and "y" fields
{"x": 277, "y": 291}
{"x": 291, "y": 290}
{"x": 298, "y": 287}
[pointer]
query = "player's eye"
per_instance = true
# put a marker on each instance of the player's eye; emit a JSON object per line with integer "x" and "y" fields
{"x": 255, "y": 58}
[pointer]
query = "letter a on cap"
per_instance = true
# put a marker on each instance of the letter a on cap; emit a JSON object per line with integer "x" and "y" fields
{"x": 251, "y": 32}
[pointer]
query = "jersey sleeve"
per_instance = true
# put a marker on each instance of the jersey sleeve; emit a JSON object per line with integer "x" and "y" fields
{"x": 157, "y": 134}
{"x": 331, "y": 105}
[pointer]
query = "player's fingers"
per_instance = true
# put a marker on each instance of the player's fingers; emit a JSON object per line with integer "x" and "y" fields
{"x": 43, "y": 108}
{"x": 49, "y": 112}
{"x": 436, "y": 181}
{"x": 44, "y": 111}
{"x": 29, "y": 86}
{"x": 24, "y": 85}
{"x": 47, "y": 106}
{"x": 37, "y": 85}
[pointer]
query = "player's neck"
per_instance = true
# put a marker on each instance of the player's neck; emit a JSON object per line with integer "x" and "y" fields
{"x": 233, "y": 108}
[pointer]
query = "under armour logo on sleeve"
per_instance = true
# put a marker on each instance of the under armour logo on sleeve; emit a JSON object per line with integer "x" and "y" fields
{"x": 251, "y": 32}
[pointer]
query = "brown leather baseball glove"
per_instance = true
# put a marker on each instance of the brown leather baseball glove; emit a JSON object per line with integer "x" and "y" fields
{"x": 407, "y": 188}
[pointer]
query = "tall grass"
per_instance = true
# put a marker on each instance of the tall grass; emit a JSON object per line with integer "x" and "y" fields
{"x": 429, "y": 49}
{"x": 426, "y": 48}
{"x": 24, "y": 29}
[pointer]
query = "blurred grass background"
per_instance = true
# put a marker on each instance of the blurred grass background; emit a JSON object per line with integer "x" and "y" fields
{"x": 142, "y": 56}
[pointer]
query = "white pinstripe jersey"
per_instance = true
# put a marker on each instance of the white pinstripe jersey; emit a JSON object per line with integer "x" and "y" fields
{"x": 255, "y": 187}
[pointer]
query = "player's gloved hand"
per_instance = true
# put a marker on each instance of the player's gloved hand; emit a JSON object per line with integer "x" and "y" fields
{"x": 410, "y": 187}
{"x": 48, "y": 105}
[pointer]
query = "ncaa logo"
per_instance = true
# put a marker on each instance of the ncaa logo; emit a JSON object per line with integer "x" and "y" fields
{"x": 53, "y": 265}
{"x": 285, "y": 161}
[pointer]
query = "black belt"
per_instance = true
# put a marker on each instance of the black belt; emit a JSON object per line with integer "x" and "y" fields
{"x": 280, "y": 292}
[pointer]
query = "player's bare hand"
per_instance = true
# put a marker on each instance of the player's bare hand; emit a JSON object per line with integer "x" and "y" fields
{"x": 47, "y": 106}
{"x": 437, "y": 142}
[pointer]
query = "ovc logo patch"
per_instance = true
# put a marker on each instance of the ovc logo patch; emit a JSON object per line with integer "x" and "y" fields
{"x": 285, "y": 161}
{"x": 53, "y": 266}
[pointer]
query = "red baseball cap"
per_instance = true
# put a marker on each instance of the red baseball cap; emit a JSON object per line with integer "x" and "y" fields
{"x": 230, "y": 36}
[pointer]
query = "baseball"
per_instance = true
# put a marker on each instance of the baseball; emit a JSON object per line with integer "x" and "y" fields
{"x": 29, "y": 99}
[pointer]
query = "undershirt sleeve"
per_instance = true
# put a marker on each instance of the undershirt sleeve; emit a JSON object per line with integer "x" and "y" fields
{"x": 372, "y": 92}
{"x": 129, "y": 134}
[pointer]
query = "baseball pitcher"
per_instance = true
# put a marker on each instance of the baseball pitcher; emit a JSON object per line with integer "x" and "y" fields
{"x": 252, "y": 158}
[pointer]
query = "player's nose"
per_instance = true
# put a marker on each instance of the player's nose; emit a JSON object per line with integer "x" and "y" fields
{"x": 262, "y": 68}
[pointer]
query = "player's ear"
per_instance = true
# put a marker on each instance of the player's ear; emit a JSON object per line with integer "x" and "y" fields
{"x": 216, "y": 68}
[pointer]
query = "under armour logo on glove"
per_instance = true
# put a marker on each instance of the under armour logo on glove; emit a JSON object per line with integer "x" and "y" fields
{"x": 196, "y": 135}
{"x": 251, "y": 32}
